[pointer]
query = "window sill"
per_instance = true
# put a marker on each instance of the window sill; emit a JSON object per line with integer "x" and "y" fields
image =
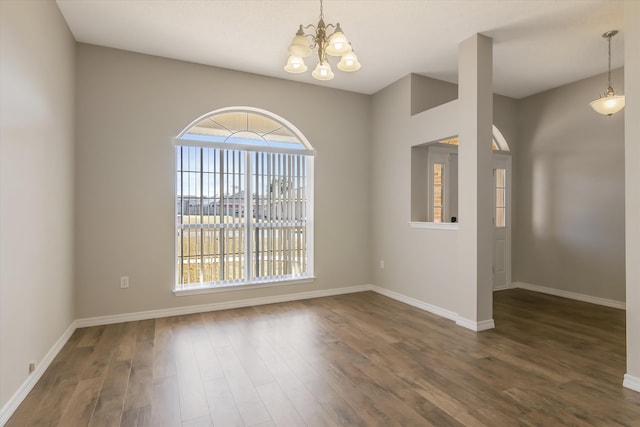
{"x": 241, "y": 287}
{"x": 434, "y": 225}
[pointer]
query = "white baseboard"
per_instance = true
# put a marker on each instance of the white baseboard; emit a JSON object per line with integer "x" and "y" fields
{"x": 502, "y": 288}
{"x": 571, "y": 295}
{"x": 12, "y": 404}
{"x": 476, "y": 326}
{"x": 632, "y": 383}
{"x": 439, "y": 311}
{"x": 216, "y": 306}
{"x": 416, "y": 303}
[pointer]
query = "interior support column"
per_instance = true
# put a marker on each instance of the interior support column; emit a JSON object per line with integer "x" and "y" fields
{"x": 632, "y": 190}
{"x": 475, "y": 260}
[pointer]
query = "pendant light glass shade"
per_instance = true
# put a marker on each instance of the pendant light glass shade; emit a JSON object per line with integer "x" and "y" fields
{"x": 338, "y": 43}
{"x": 295, "y": 65}
{"x": 349, "y": 62}
{"x": 608, "y": 105}
{"x": 323, "y": 71}
{"x": 300, "y": 45}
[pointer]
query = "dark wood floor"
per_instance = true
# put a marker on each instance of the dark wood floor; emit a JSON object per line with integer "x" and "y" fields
{"x": 359, "y": 359}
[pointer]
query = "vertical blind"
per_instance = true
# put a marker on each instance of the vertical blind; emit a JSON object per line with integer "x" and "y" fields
{"x": 242, "y": 216}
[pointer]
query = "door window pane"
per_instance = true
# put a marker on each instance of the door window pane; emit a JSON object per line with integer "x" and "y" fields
{"x": 438, "y": 192}
{"x": 501, "y": 183}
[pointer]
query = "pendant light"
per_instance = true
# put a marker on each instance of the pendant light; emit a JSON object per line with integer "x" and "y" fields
{"x": 609, "y": 103}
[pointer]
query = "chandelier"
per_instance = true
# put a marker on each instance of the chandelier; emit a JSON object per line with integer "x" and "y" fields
{"x": 334, "y": 44}
{"x": 609, "y": 103}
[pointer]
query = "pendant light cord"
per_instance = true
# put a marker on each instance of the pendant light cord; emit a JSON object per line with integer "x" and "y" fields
{"x": 609, "y": 75}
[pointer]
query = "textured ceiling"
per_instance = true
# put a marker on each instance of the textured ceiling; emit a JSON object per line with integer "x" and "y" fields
{"x": 538, "y": 44}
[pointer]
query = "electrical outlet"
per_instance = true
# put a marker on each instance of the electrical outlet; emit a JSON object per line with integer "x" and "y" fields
{"x": 381, "y": 263}
{"x": 124, "y": 282}
{"x": 32, "y": 366}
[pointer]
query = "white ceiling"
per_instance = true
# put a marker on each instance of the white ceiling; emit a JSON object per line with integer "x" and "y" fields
{"x": 538, "y": 44}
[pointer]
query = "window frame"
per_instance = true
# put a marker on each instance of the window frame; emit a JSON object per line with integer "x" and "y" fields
{"x": 249, "y": 152}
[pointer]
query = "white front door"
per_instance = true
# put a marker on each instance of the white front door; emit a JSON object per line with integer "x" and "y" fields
{"x": 501, "y": 221}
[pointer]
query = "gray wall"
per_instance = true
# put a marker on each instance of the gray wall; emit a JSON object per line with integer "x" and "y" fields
{"x": 129, "y": 106}
{"x": 36, "y": 186}
{"x": 569, "y": 170}
{"x": 420, "y": 264}
{"x": 427, "y": 93}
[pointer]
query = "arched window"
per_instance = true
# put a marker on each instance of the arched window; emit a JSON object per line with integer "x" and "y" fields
{"x": 244, "y": 201}
{"x": 498, "y": 143}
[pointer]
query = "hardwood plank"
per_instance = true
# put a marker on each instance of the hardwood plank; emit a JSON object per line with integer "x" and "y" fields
{"x": 204, "y": 421}
{"x": 90, "y": 336}
{"x": 139, "y": 390}
{"x": 193, "y": 401}
{"x": 82, "y": 401}
{"x": 103, "y": 350}
{"x": 282, "y": 412}
{"x": 108, "y": 410}
{"x": 127, "y": 342}
{"x": 139, "y": 416}
{"x": 164, "y": 364}
{"x": 208, "y": 363}
{"x": 222, "y": 405}
{"x": 165, "y": 406}
{"x": 300, "y": 397}
{"x": 249, "y": 404}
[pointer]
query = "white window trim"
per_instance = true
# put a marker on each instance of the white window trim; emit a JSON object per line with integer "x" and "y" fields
{"x": 434, "y": 225}
{"x": 244, "y": 109}
{"x": 212, "y": 289}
